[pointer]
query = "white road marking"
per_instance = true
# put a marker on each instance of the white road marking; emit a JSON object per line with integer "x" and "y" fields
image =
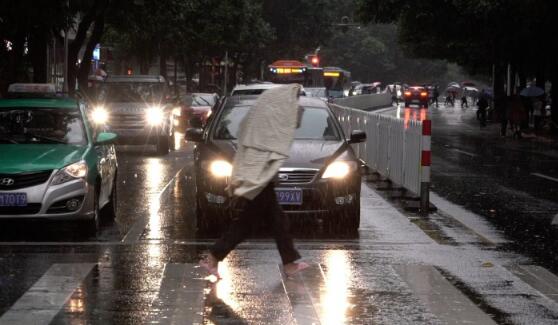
{"x": 44, "y": 300}
{"x": 444, "y": 300}
{"x": 304, "y": 311}
{"x": 468, "y": 219}
{"x": 465, "y": 152}
{"x": 545, "y": 177}
{"x": 180, "y": 298}
{"x": 539, "y": 278}
{"x": 135, "y": 232}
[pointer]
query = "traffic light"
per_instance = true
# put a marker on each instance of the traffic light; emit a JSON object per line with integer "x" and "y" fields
{"x": 314, "y": 60}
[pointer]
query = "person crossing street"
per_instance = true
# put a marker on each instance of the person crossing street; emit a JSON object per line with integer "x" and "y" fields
{"x": 264, "y": 142}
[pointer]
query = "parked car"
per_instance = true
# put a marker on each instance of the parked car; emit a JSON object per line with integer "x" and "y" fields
{"x": 55, "y": 164}
{"x": 197, "y": 105}
{"x": 320, "y": 180}
{"x": 416, "y": 95}
{"x": 139, "y": 109}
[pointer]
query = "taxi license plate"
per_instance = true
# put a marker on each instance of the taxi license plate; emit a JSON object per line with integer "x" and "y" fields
{"x": 289, "y": 196}
{"x": 13, "y": 199}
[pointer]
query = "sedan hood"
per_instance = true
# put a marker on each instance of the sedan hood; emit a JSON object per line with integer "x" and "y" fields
{"x": 304, "y": 153}
{"x": 22, "y": 158}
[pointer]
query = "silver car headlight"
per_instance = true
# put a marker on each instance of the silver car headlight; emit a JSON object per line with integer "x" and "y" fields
{"x": 74, "y": 171}
{"x": 154, "y": 116}
{"x": 339, "y": 169}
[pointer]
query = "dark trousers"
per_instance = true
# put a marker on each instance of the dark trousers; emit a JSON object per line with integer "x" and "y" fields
{"x": 264, "y": 206}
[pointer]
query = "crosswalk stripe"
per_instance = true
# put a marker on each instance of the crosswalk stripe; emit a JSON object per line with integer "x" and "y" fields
{"x": 539, "y": 278}
{"x": 302, "y": 306}
{"x": 444, "y": 300}
{"x": 180, "y": 298}
{"x": 42, "y": 302}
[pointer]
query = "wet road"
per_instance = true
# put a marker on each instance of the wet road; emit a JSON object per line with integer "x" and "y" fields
{"x": 141, "y": 268}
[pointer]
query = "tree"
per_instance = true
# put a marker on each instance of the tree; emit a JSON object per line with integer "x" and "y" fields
{"x": 24, "y": 34}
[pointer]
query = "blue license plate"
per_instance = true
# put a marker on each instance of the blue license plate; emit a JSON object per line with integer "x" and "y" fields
{"x": 13, "y": 199}
{"x": 289, "y": 196}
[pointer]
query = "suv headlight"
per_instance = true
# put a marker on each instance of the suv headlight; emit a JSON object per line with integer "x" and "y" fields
{"x": 99, "y": 115}
{"x": 339, "y": 169}
{"x": 70, "y": 172}
{"x": 154, "y": 115}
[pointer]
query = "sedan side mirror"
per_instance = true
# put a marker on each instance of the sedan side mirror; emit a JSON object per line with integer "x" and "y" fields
{"x": 105, "y": 137}
{"x": 357, "y": 136}
{"x": 196, "y": 122}
{"x": 194, "y": 135}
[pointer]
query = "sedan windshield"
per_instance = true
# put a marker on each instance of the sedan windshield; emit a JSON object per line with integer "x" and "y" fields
{"x": 315, "y": 124}
{"x": 41, "y": 125}
{"x": 129, "y": 92}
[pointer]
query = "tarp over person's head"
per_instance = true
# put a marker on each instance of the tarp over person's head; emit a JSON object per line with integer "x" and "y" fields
{"x": 270, "y": 125}
{"x": 264, "y": 140}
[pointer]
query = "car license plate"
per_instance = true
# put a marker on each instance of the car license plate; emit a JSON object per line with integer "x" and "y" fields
{"x": 13, "y": 199}
{"x": 289, "y": 196}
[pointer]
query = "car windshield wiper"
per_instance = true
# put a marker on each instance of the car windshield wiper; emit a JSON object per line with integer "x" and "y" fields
{"x": 208, "y": 104}
{"x": 53, "y": 140}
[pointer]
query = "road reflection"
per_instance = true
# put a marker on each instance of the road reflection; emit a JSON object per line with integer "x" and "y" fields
{"x": 334, "y": 298}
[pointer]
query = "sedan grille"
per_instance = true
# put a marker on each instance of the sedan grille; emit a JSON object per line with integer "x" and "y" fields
{"x": 17, "y": 181}
{"x": 297, "y": 176}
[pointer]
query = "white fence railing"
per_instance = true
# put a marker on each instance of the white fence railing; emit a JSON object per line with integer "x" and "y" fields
{"x": 398, "y": 150}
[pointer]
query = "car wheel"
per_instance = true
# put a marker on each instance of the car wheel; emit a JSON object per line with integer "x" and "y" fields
{"x": 110, "y": 211}
{"x": 93, "y": 225}
{"x": 163, "y": 145}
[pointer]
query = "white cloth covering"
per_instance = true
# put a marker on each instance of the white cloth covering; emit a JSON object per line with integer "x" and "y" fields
{"x": 264, "y": 141}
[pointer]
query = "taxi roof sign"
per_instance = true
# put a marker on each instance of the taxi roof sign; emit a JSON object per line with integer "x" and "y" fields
{"x": 29, "y": 88}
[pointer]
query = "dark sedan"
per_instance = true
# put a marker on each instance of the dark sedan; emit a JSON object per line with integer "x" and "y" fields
{"x": 416, "y": 95}
{"x": 321, "y": 179}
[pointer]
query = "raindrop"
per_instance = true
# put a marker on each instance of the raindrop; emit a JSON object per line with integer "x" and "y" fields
{"x": 136, "y": 175}
{"x": 487, "y": 264}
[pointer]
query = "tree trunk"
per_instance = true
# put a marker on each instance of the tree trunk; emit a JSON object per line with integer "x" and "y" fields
{"x": 499, "y": 89}
{"x": 95, "y": 38}
{"x": 554, "y": 95}
{"x": 37, "y": 53}
{"x": 15, "y": 59}
{"x": 541, "y": 78}
{"x": 75, "y": 46}
{"x": 163, "y": 61}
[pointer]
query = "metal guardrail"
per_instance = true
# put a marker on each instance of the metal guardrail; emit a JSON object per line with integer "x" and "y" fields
{"x": 396, "y": 149}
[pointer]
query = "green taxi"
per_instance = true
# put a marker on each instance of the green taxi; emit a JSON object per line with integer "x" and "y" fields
{"x": 54, "y": 164}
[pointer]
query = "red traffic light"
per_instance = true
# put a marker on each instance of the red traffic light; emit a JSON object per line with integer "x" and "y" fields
{"x": 315, "y": 60}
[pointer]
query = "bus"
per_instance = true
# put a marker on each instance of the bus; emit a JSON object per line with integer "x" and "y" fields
{"x": 292, "y": 71}
{"x": 337, "y": 81}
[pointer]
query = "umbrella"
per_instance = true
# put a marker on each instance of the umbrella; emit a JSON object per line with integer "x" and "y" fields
{"x": 453, "y": 89}
{"x": 468, "y": 83}
{"x": 532, "y": 91}
{"x": 454, "y": 84}
{"x": 471, "y": 89}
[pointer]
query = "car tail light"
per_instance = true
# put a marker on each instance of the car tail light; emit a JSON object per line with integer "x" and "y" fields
{"x": 407, "y": 94}
{"x": 423, "y": 94}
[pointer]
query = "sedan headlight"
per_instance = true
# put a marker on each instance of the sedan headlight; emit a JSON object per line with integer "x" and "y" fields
{"x": 99, "y": 115}
{"x": 70, "y": 172}
{"x": 220, "y": 168}
{"x": 339, "y": 169}
{"x": 154, "y": 115}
